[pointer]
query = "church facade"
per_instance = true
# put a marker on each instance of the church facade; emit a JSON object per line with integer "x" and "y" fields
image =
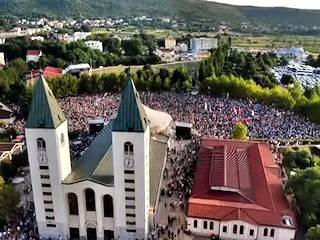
{"x": 111, "y": 191}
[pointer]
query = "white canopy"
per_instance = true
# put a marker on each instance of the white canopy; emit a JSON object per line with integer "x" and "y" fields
{"x": 159, "y": 121}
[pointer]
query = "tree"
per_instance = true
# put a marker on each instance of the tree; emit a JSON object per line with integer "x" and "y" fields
{"x": 9, "y": 199}
{"x": 313, "y": 233}
{"x": 287, "y": 79}
{"x": 301, "y": 159}
{"x": 305, "y": 186}
{"x": 132, "y": 47}
{"x": 240, "y": 131}
{"x": 284, "y": 61}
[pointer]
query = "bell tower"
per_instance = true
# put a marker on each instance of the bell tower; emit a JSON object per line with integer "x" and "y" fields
{"x": 49, "y": 159}
{"x": 130, "y": 146}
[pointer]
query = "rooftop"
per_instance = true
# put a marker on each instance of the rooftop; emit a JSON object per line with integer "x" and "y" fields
{"x": 238, "y": 180}
{"x": 131, "y": 115}
{"x": 45, "y": 111}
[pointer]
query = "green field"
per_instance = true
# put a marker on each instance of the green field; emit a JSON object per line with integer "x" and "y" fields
{"x": 310, "y": 43}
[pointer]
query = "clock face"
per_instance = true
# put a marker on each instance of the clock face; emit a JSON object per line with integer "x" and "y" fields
{"x": 128, "y": 163}
{"x": 42, "y": 158}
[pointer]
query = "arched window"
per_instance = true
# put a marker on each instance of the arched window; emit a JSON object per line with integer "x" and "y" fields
{"x": 108, "y": 206}
{"x": 90, "y": 200}
{"x": 205, "y": 224}
{"x": 241, "y": 229}
{"x": 41, "y": 144}
{"x": 211, "y": 226}
{"x": 73, "y": 204}
{"x": 128, "y": 148}
{"x": 265, "y": 232}
{"x": 235, "y": 229}
{"x": 272, "y": 232}
{"x": 195, "y": 223}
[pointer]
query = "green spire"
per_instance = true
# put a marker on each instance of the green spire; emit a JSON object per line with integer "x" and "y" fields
{"x": 44, "y": 111}
{"x": 131, "y": 116}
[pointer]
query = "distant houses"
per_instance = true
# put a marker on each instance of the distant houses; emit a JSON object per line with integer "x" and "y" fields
{"x": 95, "y": 45}
{"x": 6, "y": 114}
{"x": 48, "y": 72}
{"x": 33, "y": 55}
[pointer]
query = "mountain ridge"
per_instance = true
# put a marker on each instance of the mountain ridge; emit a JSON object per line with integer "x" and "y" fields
{"x": 189, "y": 10}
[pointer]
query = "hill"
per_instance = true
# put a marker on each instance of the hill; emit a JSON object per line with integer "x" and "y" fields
{"x": 183, "y": 9}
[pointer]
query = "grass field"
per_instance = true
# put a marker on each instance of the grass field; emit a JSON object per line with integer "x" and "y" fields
{"x": 310, "y": 43}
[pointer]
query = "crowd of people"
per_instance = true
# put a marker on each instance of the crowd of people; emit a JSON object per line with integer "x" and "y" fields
{"x": 175, "y": 191}
{"x": 211, "y": 116}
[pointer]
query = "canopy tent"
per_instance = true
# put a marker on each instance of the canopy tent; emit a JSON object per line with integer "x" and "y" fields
{"x": 159, "y": 121}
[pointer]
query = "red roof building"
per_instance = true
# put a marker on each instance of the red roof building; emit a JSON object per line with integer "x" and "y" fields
{"x": 48, "y": 72}
{"x": 238, "y": 193}
{"x": 34, "y": 53}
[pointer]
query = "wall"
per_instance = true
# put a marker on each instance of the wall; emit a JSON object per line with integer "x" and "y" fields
{"x": 93, "y": 217}
{"x": 141, "y": 171}
{"x": 59, "y": 167}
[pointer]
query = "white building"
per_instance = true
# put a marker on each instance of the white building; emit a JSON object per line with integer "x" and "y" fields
{"x": 94, "y": 45}
{"x": 166, "y": 55}
{"x": 107, "y": 193}
{"x": 181, "y": 48}
{"x": 237, "y": 193}
{"x": 203, "y": 44}
{"x": 170, "y": 42}
{"x": 2, "y": 59}
{"x": 79, "y": 36}
{"x": 77, "y": 68}
{"x": 33, "y": 55}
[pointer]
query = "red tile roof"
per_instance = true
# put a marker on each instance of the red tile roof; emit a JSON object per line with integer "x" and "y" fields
{"x": 33, "y": 53}
{"x": 238, "y": 180}
{"x": 48, "y": 72}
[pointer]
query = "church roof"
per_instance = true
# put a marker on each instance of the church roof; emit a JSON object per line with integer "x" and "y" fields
{"x": 44, "y": 111}
{"x": 85, "y": 166}
{"x": 131, "y": 116}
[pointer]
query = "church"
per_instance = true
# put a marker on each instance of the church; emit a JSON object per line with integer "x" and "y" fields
{"x": 112, "y": 190}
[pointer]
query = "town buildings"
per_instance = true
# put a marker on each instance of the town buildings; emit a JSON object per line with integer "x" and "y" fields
{"x": 94, "y": 45}
{"x": 112, "y": 190}
{"x": 170, "y": 42}
{"x": 47, "y": 72}
{"x": 33, "y": 55}
{"x": 203, "y": 44}
{"x": 238, "y": 193}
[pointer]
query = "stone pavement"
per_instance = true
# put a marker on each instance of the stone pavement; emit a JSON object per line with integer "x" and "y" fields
{"x": 165, "y": 210}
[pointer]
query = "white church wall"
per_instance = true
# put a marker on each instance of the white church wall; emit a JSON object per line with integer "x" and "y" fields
{"x": 279, "y": 233}
{"x": 237, "y": 235}
{"x": 200, "y": 230}
{"x": 85, "y": 217}
{"x": 59, "y": 166}
{"x": 141, "y": 172}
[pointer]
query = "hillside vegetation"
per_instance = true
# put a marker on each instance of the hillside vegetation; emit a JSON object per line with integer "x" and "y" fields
{"x": 198, "y": 10}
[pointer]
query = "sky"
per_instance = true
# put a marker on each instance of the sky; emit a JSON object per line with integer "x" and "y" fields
{"x": 304, "y": 4}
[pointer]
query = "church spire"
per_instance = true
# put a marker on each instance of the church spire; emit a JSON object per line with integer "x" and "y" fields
{"x": 44, "y": 111}
{"x": 131, "y": 116}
